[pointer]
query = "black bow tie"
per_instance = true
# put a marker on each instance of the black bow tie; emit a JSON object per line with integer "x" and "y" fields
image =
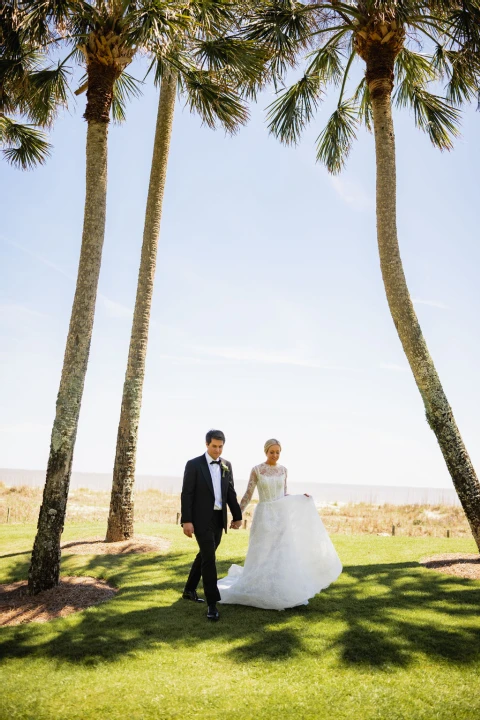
{"x": 215, "y": 462}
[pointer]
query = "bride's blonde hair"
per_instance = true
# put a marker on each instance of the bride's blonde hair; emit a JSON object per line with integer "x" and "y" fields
{"x": 269, "y": 444}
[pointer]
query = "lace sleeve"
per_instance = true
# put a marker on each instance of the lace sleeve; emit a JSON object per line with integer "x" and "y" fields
{"x": 285, "y": 482}
{"x": 252, "y": 483}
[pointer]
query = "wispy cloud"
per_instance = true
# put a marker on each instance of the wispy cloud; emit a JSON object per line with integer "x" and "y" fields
{"x": 431, "y": 303}
{"x": 294, "y": 358}
{"x": 40, "y": 258}
{"x": 24, "y": 428}
{"x": 182, "y": 359}
{"x": 352, "y": 193}
{"x": 9, "y": 309}
{"x": 394, "y": 367}
{"x": 245, "y": 354}
{"x": 18, "y": 320}
{"x": 115, "y": 309}
{"x": 112, "y": 308}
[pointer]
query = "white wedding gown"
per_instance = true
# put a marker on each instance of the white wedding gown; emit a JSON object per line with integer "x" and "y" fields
{"x": 290, "y": 556}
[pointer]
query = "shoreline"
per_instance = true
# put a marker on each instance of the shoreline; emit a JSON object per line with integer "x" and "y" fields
{"x": 322, "y": 492}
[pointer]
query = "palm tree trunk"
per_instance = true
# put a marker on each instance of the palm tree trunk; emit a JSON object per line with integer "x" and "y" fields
{"x": 120, "y": 520}
{"x": 44, "y": 570}
{"x": 438, "y": 411}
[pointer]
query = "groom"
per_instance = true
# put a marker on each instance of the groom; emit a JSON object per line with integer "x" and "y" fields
{"x": 206, "y": 492}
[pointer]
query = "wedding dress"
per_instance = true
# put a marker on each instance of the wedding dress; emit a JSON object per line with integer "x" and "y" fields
{"x": 290, "y": 556}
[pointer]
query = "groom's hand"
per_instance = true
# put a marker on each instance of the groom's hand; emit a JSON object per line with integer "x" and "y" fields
{"x": 236, "y": 525}
{"x": 188, "y": 529}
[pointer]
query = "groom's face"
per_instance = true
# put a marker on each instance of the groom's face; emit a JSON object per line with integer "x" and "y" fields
{"x": 215, "y": 448}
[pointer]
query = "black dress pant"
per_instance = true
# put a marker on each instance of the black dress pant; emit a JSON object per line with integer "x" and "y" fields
{"x": 204, "y": 565}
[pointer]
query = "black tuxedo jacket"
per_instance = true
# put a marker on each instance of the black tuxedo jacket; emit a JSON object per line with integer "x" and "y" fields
{"x": 198, "y": 496}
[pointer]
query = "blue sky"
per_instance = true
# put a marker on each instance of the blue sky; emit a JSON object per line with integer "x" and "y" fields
{"x": 269, "y": 315}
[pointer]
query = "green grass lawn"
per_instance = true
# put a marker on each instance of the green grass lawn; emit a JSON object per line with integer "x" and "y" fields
{"x": 388, "y": 640}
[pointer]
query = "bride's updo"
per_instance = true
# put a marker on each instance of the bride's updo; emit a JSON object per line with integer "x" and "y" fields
{"x": 269, "y": 444}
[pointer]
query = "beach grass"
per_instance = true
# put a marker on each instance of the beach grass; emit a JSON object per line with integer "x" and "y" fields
{"x": 390, "y": 639}
{"x": 21, "y": 504}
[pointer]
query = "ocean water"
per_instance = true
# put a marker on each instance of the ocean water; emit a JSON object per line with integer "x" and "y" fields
{"x": 322, "y": 492}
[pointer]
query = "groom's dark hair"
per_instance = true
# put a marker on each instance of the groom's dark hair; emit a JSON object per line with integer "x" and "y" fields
{"x": 214, "y": 435}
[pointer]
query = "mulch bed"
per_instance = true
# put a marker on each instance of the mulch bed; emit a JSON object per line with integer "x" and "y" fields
{"x": 72, "y": 595}
{"x": 458, "y": 564}
{"x": 98, "y": 546}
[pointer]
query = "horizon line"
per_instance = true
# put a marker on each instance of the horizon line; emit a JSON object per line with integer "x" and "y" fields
{"x": 309, "y": 482}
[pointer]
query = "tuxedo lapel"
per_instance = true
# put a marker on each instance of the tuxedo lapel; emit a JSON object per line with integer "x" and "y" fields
{"x": 224, "y": 480}
{"x": 206, "y": 473}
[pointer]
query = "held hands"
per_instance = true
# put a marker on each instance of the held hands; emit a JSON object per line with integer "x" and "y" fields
{"x": 235, "y": 525}
{"x": 188, "y": 529}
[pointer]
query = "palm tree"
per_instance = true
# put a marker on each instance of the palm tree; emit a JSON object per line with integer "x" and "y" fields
{"x": 106, "y": 34}
{"x": 209, "y": 65}
{"x": 30, "y": 92}
{"x": 387, "y": 35}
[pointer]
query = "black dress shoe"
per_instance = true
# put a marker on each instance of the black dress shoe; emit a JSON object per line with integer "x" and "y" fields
{"x": 212, "y": 613}
{"x": 192, "y": 595}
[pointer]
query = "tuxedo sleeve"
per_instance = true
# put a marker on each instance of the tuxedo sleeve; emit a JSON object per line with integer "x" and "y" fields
{"x": 188, "y": 493}
{"x": 232, "y": 501}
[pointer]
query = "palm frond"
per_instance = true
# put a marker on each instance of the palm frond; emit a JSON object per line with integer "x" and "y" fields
{"x": 464, "y": 23}
{"x": 281, "y": 26}
{"x": 44, "y": 18}
{"x": 16, "y": 64}
{"x": 212, "y": 18}
{"x": 413, "y": 71}
{"x": 414, "y": 68}
{"x": 48, "y": 89}
{"x": 154, "y": 23}
{"x": 335, "y": 141}
{"x": 327, "y": 63}
{"x": 290, "y": 113}
{"x": 435, "y": 116}
{"x": 214, "y": 100}
{"x": 462, "y": 72}
{"x": 29, "y": 88}
{"x": 441, "y": 60}
{"x": 362, "y": 99}
{"x": 243, "y": 59}
{"x": 464, "y": 81}
{"x": 332, "y": 12}
{"x": 176, "y": 58}
{"x": 24, "y": 146}
{"x": 125, "y": 88}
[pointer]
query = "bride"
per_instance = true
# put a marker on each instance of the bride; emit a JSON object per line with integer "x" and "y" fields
{"x": 290, "y": 556}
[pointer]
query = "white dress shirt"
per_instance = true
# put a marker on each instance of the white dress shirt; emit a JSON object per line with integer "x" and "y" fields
{"x": 216, "y": 473}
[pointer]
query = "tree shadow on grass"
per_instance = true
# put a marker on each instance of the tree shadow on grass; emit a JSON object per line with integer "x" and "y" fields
{"x": 16, "y": 554}
{"x": 392, "y": 611}
{"x": 376, "y": 616}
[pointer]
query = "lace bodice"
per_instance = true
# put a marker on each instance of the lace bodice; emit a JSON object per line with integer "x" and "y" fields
{"x": 271, "y": 481}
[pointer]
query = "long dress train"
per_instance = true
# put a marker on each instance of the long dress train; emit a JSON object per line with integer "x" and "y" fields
{"x": 290, "y": 556}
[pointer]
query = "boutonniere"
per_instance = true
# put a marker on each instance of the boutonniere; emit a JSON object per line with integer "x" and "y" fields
{"x": 224, "y": 469}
